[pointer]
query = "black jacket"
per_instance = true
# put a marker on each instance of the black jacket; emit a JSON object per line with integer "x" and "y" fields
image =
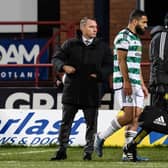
{"x": 80, "y": 88}
{"x": 158, "y": 53}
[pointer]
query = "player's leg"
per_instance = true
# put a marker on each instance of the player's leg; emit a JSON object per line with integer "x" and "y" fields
{"x": 130, "y": 149}
{"x": 131, "y": 133}
{"x": 116, "y": 123}
{"x": 131, "y": 129}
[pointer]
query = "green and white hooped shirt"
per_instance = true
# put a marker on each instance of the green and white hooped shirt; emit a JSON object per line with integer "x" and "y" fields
{"x": 128, "y": 41}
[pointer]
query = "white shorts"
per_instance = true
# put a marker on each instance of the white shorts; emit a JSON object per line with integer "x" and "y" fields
{"x": 134, "y": 100}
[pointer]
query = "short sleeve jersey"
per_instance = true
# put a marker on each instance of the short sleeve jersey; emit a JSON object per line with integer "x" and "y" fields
{"x": 130, "y": 42}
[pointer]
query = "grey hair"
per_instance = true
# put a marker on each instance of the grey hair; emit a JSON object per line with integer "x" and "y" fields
{"x": 84, "y": 20}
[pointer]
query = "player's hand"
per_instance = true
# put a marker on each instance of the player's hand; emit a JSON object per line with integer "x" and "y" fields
{"x": 127, "y": 88}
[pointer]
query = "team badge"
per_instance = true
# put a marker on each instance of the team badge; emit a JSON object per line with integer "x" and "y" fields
{"x": 130, "y": 99}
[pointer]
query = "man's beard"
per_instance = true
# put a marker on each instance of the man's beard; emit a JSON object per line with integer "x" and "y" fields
{"x": 139, "y": 30}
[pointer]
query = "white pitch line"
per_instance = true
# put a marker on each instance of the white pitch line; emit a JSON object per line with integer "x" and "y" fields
{"x": 11, "y": 153}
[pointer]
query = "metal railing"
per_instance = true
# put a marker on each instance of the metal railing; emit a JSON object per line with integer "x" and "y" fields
{"x": 68, "y": 28}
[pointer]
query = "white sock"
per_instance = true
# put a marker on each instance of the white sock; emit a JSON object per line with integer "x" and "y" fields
{"x": 114, "y": 126}
{"x": 129, "y": 135}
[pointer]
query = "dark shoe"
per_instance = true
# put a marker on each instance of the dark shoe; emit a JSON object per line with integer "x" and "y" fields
{"x": 98, "y": 145}
{"x": 60, "y": 155}
{"x": 130, "y": 151}
{"x": 87, "y": 156}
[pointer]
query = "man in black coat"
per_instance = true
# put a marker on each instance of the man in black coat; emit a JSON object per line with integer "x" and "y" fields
{"x": 158, "y": 52}
{"x": 86, "y": 61}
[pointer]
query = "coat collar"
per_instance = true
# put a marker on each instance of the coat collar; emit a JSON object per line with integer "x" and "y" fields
{"x": 79, "y": 37}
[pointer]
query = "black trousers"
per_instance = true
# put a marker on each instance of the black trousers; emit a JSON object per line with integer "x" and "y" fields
{"x": 90, "y": 115}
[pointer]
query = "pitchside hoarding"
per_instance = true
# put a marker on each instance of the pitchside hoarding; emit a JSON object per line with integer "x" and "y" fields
{"x": 37, "y": 127}
{"x": 41, "y": 127}
{"x": 23, "y": 51}
{"x": 28, "y": 98}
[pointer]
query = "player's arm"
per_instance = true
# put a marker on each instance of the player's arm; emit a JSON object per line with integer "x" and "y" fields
{"x": 122, "y": 56}
{"x": 144, "y": 88}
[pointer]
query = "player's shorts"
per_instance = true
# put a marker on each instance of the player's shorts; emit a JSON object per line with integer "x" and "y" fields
{"x": 134, "y": 100}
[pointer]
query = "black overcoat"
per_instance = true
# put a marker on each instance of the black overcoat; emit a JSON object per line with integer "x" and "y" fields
{"x": 158, "y": 52}
{"x": 80, "y": 88}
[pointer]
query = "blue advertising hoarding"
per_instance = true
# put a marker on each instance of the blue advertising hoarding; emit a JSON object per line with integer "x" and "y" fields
{"x": 35, "y": 127}
{"x": 22, "y": 51}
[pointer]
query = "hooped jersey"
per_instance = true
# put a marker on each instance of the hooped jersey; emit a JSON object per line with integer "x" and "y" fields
{"x": 130, "y": 42}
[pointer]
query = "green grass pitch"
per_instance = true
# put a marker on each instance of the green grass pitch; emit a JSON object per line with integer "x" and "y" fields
{"x": 39, "y": 157}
